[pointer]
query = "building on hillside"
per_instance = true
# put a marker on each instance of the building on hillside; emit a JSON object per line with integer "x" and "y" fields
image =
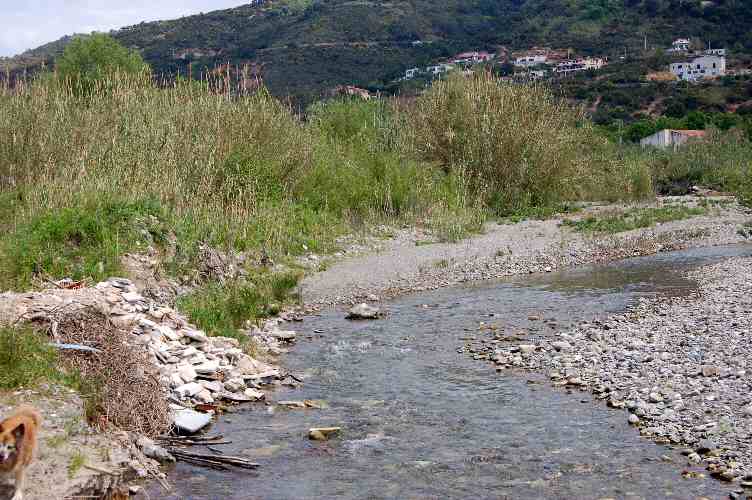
{"x": 583, "y": 64}
{"x": 699, "y": 68}
{"x": 531, "y": 60}
{"x": 439, "y": 69}
{"x": 716, "y": 52}
{"x": 352, "y": 91}
{"x": 530, "y": 75}
{"x": 672, "y": 138}
{"x": 194, "y": 53}
{"x": 476, "y": 57}
{"x": 680, "y": 45}
{"x": 412, "y": 73}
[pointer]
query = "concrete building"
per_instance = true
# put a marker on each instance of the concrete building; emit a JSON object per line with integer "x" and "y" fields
{"x": 574, "y": 65}
{"x": 680, "y": 45}
{"x": 412, "y": 73}
{"x": 671, "y": 138}
{"x": 472, "y": 57}
{"x": 439, "y": 69}
{"x": 530, "y": 60}
{"x": 700, "y": 68}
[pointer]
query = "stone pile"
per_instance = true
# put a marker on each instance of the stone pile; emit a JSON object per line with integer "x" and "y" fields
{"x": 680, "y": 367}
{"x": 194, "y": 368}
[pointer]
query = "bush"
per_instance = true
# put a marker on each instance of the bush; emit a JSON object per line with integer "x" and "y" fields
{"x": 518, "y": 146}
{"x": 720, "y": 162}
{"x": 223, "y": 309}
{"x": 78, "y": 242}
{"x": 97, "y": 61}
{"x": 26, "y": 359}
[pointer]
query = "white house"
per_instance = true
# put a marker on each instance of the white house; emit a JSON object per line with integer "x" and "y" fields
{"x": 666, "y": 138}
{"x": 700, "y": 68}
{"x": 716, "y": 52}
{"x": 531, "y": 60}
{"x": 412, "y": 73}
{"x": 439, "y": 69}
{"x": 472, "y": 57}
{"x": 574, "y": 65}
{"x": 680, "y": 45}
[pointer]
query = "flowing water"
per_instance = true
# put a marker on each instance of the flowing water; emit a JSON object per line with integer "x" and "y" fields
{"x": 422, "y": 421}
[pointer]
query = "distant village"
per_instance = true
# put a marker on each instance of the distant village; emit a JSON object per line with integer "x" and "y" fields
{"x": 540, "y": 63}
{"x": 535, "y": 63}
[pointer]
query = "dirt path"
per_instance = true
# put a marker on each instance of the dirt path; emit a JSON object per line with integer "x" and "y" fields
{"x": 403, "y": 266}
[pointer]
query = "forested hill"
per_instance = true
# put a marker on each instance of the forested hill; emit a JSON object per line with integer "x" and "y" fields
{"x": 304, "y": 46}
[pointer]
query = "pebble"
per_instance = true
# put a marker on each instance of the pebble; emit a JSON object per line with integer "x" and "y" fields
{"x": 673, "y": 363}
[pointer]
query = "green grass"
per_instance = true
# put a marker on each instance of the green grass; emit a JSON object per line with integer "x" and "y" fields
{"x": 633, "y": 219}
{"x": 223, "y": 309}
{"x": 77, "y": 461}
{"x": 27, "y": 360}
{"x": 83, "y": 241}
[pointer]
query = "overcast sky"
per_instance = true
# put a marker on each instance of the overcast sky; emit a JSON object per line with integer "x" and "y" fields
{"x": 25, "y": 24}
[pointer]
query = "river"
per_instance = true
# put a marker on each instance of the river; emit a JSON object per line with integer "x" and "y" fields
{"x": 421, "y": 419}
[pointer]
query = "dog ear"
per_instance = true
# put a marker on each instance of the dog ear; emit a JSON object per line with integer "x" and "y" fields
{"x": 19, "y": 433}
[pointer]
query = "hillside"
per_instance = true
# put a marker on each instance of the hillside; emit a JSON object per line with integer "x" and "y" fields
{"x": 302, "y": 47}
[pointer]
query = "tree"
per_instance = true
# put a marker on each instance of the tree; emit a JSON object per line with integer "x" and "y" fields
{"x": 95, "y": 61}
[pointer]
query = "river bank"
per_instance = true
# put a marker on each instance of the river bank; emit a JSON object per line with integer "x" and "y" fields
{"x": 189, "y": 363}
{"x": 411, "y": 262}
{"x": 679, "y": 367}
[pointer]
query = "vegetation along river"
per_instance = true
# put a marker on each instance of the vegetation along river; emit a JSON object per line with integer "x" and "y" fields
{"x": 421, "y": 419}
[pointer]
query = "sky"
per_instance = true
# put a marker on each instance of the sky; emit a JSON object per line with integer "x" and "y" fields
{"x": 26, "y": 24}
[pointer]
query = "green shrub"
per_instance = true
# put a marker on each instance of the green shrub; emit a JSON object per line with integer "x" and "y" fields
{"x": 78, "y": 242}
{"x": 633, "y": 219}
{"x": 96, "y": 61}
{"x": 518, "y": 145}
{"x": 26, "y": 359}
{"x": 223, "y": 309}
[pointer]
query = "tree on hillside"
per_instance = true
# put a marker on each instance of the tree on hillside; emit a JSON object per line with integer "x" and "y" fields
{"x": 95, "y": 61}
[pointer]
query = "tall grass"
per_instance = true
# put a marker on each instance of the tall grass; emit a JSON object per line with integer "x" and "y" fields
{"x": 83, "y": 179}
{"x": 519, "y": 146}
{"x": 722, "y": 162}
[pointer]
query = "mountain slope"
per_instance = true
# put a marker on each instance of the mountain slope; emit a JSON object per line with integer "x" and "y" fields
{"x": 301, "y": 47}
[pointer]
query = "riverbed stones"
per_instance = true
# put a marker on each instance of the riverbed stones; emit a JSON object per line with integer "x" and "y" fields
{"x": 679, "y": 365}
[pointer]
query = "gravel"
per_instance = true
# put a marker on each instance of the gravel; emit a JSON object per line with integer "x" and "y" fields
{"x": 681, "y": 367}
{"x": 401, "y": 265}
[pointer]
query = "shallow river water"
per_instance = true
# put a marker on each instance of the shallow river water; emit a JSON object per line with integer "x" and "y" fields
{"x": 424, "y": 421}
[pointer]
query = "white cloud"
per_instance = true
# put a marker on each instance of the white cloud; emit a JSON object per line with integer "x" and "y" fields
{"x": 34, "y": 22}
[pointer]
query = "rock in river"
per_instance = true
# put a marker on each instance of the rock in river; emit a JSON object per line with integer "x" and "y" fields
{"x": 364, "y": 311}
{"x": 190, "y": 421}
{"x": 322, "y": 433}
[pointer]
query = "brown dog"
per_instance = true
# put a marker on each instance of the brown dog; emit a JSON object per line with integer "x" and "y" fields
{"x": 18, "y": 443}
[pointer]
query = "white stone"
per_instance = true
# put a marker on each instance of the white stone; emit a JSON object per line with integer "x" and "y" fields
{"x": 254, "y": 394}
{"x": 204, "y": 396}
{"x": 190, "y": 421}
{"x": 212, "y": 385}
{"x": 187, "y": 373}
{"x": 195, "y": 335}
{"x": 189, "y": 390}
